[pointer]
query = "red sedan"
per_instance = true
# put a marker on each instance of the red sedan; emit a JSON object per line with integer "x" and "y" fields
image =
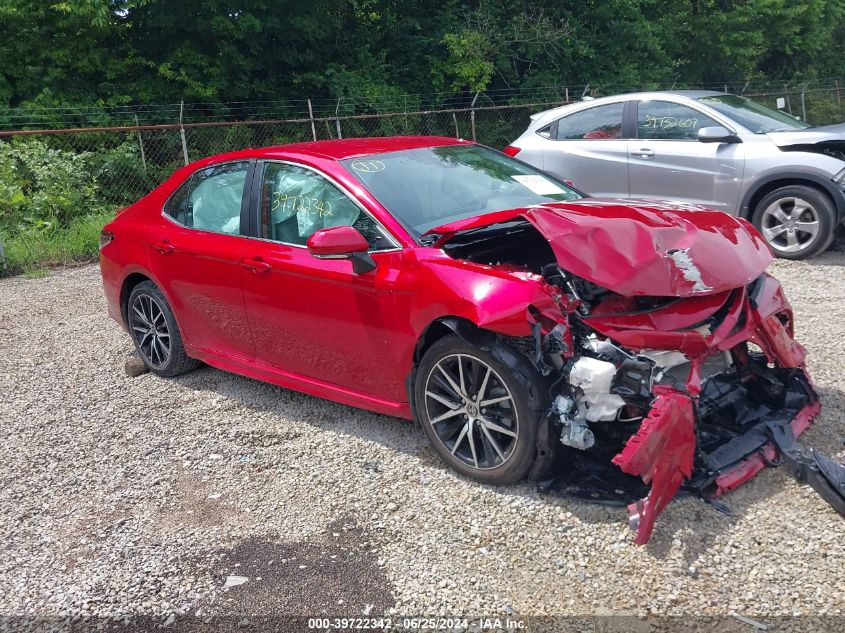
{"x": 531, "y": 332}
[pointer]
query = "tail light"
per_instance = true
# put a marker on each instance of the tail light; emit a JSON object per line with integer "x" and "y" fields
{"x": 510, "y": 150}
{"x": 106, "y": 238}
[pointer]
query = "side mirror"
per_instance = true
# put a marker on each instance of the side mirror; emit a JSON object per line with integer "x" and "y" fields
{"x": 342, "y": 242}
{"x": 717, "y": 134}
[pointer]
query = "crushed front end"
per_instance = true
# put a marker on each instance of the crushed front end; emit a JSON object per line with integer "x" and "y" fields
{"x": 682, "y": 393}
{"x": 668, "y": 351}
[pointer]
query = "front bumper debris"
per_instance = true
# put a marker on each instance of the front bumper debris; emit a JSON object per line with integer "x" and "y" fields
{"x": 808, "y": 466}
{"x": 712, "y": 426}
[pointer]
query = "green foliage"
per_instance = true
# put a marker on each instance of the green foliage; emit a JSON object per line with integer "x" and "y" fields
{"x": 112, "y": 52}
{"x": 119, "y": 174}
{"x": 43, "y": 187}
{"x": 31, "y": 250}
{"x": 53, "y": 202}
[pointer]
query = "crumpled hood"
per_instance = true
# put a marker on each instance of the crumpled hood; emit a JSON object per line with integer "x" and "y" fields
{"x": 824, "y": 134}
{"x": 641, "y": 247}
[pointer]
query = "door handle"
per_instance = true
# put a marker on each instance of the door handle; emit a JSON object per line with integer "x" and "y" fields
{"x": 164, "y": 247}
{"x": 643, "y": 153}
{"x": 256, "y": 265}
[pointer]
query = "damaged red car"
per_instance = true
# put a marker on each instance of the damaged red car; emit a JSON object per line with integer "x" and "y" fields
{"x": 621, "y": 351}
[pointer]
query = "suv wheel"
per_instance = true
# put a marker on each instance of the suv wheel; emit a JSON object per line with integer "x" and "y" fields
{"x": 797, "y": 221}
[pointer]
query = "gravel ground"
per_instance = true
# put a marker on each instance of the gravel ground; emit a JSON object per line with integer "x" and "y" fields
{"x": 125, "y": 496}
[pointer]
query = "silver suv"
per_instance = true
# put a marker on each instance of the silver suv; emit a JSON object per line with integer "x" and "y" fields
{"x": 701, "y": 148}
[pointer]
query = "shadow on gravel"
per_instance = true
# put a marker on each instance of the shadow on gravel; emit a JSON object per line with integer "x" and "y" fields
{"x": 395, "y": 433}
{"x": 337, "y": 574}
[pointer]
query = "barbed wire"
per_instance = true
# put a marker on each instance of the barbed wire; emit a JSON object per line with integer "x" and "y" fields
{"x": 320, "y": 108}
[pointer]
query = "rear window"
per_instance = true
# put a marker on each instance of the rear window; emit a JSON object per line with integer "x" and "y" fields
{"x": 210, "y": 200}
{"x": 594, "y": 124}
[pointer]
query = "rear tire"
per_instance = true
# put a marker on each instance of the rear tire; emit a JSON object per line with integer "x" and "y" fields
{"x": 797, "y": 221}
{"x": 155, "y": 333}
{"x": 482, "y": 419}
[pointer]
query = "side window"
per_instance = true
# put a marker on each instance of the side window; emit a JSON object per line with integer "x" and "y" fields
{"x": 296, "y": 202}
{"x": 601, "y": 122}
{"x": 670, "y": 121}
{"x": 177, "y": 205}
{"x": 211, "y": 199}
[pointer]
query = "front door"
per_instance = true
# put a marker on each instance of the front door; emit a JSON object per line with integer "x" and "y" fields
{"x": 316, "y": 317}
{"x": 195, "y": 254}
{"x": 589, "y": 149}
{"x": 668, "y": 162}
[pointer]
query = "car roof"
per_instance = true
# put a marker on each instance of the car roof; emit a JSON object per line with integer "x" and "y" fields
{"x": 690, "y": 94}
{"x": 340, "y": 149}
{"x": 541, "y": 117}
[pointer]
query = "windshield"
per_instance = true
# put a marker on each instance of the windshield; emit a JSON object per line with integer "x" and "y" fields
{"x": 424, "y": 188}
{"x": 752, "y": 115}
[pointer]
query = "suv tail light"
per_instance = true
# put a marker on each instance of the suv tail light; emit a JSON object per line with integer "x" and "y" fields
{"x": 510, "y": 150}
{"x": 106, "y": 238}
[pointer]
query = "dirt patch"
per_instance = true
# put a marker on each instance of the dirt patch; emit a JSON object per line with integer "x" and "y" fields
{"x": 337, "y": 574}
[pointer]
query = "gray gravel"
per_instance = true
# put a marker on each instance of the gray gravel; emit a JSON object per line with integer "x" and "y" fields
{"x": 141, "y": 495}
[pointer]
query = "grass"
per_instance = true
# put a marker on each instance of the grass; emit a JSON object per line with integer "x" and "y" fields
{"x": 33, "y": 252}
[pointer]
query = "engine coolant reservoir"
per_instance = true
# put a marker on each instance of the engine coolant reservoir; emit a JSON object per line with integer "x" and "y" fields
{"x": 594, "y": 377}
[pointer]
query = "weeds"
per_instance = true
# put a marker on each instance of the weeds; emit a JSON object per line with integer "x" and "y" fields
{"x": 34, "y": 249}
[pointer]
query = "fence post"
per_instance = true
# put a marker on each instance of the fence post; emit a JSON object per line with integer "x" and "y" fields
{"x": 182, "y": 132}
{"x": 567, "y": 94}
{"x": 455, "y": 119}
{"x": 337, "y": 119}
{"x": 803, "y": 105}
{"x": 472, "y": 116}
{"x": 141, "y": 145}
{"x": 838, "y": 96}
{"x": 786, "y": 94}
{"x": 311, "y": 116}
{"x": 584, "y": 94}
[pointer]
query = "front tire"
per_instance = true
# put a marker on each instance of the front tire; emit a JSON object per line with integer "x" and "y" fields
{"x": 479, "y": 413}
{"x": 797, "y": 221}
{"x": 155, "y": 333}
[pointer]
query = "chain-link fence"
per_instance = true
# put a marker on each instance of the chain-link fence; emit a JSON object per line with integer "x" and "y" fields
{"x": 126, "y": 162}
{"x": 116, "y": 155}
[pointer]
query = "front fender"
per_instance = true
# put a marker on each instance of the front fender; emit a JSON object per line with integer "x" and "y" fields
{"x": 492, "y": 299}
{"x": 795, "y": 176}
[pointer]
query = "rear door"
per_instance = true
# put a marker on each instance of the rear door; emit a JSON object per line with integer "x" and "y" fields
{"x": 667, "y": 161}
{"x": 196, "y": 257}
{"x": 588, "y": 147}
{"x": 316, "y": 317}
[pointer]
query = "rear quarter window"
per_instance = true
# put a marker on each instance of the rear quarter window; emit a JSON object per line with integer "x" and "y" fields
{"x": 597, "y": 123}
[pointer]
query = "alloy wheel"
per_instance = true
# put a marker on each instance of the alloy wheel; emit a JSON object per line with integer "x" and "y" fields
{"x": 149, "y": 327}
{"x": 472, "y": 411}
{"x": 790, "y": 224}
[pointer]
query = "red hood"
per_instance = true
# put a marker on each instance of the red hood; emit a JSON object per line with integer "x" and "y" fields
{"x": 643, "y": 247}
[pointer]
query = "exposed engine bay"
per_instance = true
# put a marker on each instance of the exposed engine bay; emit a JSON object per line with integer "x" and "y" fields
{"x": 687, "y": 394}
{"x": 834, "y": 149}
